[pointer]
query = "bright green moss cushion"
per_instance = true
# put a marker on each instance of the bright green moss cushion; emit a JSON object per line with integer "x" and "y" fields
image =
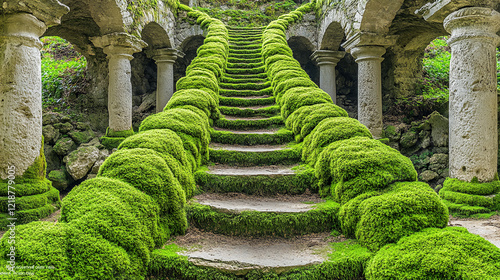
{"x": 297, "y": 97}
{"x": 358, "y": 165}
{"x": 200, "y": 99}
{"x": 438, "y": 254}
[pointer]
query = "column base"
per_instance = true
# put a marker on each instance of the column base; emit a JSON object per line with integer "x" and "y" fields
{"x": 113, "y": 139}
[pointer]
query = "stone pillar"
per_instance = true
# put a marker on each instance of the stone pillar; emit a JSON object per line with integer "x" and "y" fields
{"x": 119, "y": 47}
{"x": 21, "y": 81}
{"x": 327, "y": 61}
{"x": 368, "y": 48}
{"x": 165, "y": 59}
{"x": 473, "y": 94}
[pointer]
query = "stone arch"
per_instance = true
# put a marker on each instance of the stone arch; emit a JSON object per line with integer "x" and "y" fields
{"x": 303, "y": 48}
{"x": 108, "y": 14}
{"x": 377, "y": 15}
{"x": 188, "y": 46}
{"x": 332, "y": 37}
{"x": 155, "y": 36}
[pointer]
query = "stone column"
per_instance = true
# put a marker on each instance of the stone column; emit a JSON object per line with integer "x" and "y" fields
{"x": 327, "y": 61}
{"x": 368, "y": 48}
{"x": 165, "y": 59}
{"x": 119, "y": 47}
{"x": 21, "y": 82}
{"x": 473, "y": 94}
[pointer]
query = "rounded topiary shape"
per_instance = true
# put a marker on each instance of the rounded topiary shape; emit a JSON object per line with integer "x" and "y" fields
{"x": 298, "y": 97}
{"x": 306, "y": 118}
{"x": 406, "y": 207}
{"x": 283, "y": 65}
{"x": 162, "y": 141}
{"x": 349, "y": 213}
{"x": 195, "y": 97}
{"x": 182, "y": 121}
{"x": 359, "y": 165}
{"x": 276, "y": 58}
{"x": 283, "y": 86}
{"x": 271, "y": 49}
{"x": 197, "y": 82}
{"x": 116, "y": 213}
{"x": 330, "y": 130}
{"x": 147, "y": 171}
{"x": 286, "y": 75}
{"x": 440, "y": 254}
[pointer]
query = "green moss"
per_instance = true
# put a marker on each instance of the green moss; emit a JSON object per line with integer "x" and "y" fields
{"x": 358, "y": 165}
{"x": 330, "y": 130}
{"x": 282, "y": 65}
{"x": 37, "y": 170}
{"x": 26, "y": 188}
{"x": 464, "y": 210}
{"x": 403, "y": 209}
{"x": 321, "y": 218}
{"x": 226, "y": 137}
{"x": 297, "y": 183}
{"x": 298, "y": 97}
{"x": 246, "y": 102}
{"x": 122, "y": 134}
{"x": 194, "y": 97}
{"x": 285, "y": 156}
{"x": 449, "y": 253}
{"x": 111, "y": 142}
{"x": 260, "y": 112}
{"x": 147, "y": 171}
{"x": 31, "y": 202}
{"x": 476, "y": 188}
{"x": 283, "y": 86}
{"x": 197, "y": 83}
{"x": 306, "y": 118}
{"x": 256, "y": 70}
{"x": 490, "y": 202}
{"x": 245, "y": 86}
{"x": 249, "y": 124}
{"x": 284, "y": 75}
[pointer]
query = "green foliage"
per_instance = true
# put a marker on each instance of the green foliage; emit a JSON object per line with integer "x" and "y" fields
{"x": 449, "y": 253}
{"x": 330, "y": 130}
{"x": 63, "y": 72}
{"x": 200, "y": 99}
{"x": 297, "y": 97}
{"x": 286, "y": 156}
{"x": 226, "y": 137}
{"x": 246, "y": 102}
{"x": 245, "y": 112}
{"x": 358, "y": 165}
{"x": 401, "y": 210}
{"x": 240, "y": 124}
{"x": 323, "y": 217}
{"x": 306, "y": 118}
{"x": 147, "y": 171}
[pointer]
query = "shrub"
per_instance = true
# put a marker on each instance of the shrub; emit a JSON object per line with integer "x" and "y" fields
{"x": 358, "y": 165}
{"x": 405, "y": 208}
{"x": 274, "y": 49}
{"x": 195, "y": 97}
{"x": 330, "y": 130}
{"x": 306, "y": 118}
{"x": 298, "y": 97}
{"x": 197, "y": 82}
{"x": 441, "y": 254}
{"x": 283, "y": 86}
{"x": 284, "y": 75}
{"x": 147, "y": 171}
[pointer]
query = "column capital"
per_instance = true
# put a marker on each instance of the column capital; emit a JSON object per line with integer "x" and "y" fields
{"x": 362, "y": 53}
{"x": 473, "y": 22}
{"x": 165, "y": 55}
{"x": 22, "y": 28}
{"x": 322, "y": 57}
{"x": 119, "y": 44}
{"x": 49, "y": 11}
{"x": 369, "y": 39}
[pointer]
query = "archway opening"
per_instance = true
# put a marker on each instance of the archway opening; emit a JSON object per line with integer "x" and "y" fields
{"x": 189, "y": 47}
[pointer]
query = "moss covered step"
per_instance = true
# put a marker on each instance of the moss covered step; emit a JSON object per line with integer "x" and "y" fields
{"x": 246, "y": 101}
{"x": 243, "y": 155}
{"x": 465, "y": 210}
{"x": 244, "y": 51}
{"x": 244, "y": 65}
{"x": 243, "y": 60}
{"x": 245, "y": 55}
{"x": 260, "y": 180}
{"x": 245, "y": 42}
{"x": 208, "y": 256}
{"x": 242, "y": 80}
{"x": 244, "y": 215}
{"x": 245, "y": 46}
{"x": 256, "y": 70}
{"x": 246, "y": 93}
{"x": 274, "y": 136}
{"x": 262, "y": 111}
{"x": 248, "y": 123}
{"x": 246, "y": 86}
{"x": 245, "y": 76}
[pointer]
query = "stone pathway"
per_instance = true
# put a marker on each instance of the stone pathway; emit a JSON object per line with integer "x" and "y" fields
{"x": 489, "y": 229}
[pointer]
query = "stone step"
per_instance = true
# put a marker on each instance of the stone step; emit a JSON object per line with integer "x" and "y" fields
{"x": 263, "y": 111}
{"x": 240, "y": 71}
{"x": 313, "y": 256}
{"x": 245, "y": 46}
{"x": 244, "y": 65}
{"x": 243, "y": 80}
{"x": 245, "y": 41}
{"x": 247, "y": 215}
{"x": 245, "y": 55}
{"x": 245, "y": 76}
{"x": 243, "y": 60}
{"x": 244, "y": 51}
{"x": 246, "y": 86}
{"x": 242, "y": 123}
{"x": 268, "y": 91}
{"x": 254, "y": 155}
{"x": 244, "y": 101}
{"x": 259, "y": 180}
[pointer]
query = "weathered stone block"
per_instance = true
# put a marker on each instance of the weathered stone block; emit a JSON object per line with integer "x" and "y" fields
{"x": 79, "y": 162}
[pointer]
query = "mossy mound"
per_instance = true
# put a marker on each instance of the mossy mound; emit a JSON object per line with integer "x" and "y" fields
{"x": 330, "y": 130}
{"x": 147, "y": 171}
{"x": 358, "y": 165}
{"x": 379, "y": 218}
{"x": 441, "y": 254}
{"x": 297, "y": 97}
{"x": 201, "y": 99}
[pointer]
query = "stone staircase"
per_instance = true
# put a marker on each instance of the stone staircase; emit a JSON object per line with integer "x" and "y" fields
{"x": 256, "y": 217}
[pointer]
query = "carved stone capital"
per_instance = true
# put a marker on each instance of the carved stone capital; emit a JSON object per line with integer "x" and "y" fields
{"x": 369, "y": 39}
{"x": 119, "y": 44}
{"x": 48, "y": 11}
{"x": 363, "y": 53}
{"x": 322, "y": 57}
{"x": 22, "y": 29}
{"x": 474, "y": 22}
{"x": 166, "y": 55}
